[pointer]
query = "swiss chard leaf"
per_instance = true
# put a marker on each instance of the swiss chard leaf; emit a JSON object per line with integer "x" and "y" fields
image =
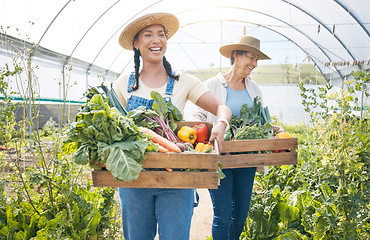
{"x": 159, "y": 104}
{"x": 174, "y": 111}
{"x": 166, "y": 110}
{"x": 143, "y": 117}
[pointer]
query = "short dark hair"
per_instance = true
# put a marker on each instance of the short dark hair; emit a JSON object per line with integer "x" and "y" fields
{"x": 237, "y": 52}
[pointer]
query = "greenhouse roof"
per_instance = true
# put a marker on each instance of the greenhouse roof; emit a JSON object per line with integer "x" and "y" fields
{"x": 334, "y": 35}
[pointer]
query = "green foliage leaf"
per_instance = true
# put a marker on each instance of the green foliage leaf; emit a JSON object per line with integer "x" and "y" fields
{"x": 159, "y": 104}
{"x": 325, "y": 195}
{"x": 287, "y": 213}
{"x": 81, "y": 155}
{"x": 121, "y": 161}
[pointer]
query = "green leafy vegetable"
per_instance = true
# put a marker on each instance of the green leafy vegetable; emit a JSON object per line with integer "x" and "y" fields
{"x": 162, "y": 119}
{"x": 254, "y": 123}
{"x": 102, "y": 133}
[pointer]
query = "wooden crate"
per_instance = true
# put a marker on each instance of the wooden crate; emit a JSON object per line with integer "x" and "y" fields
{"x": 151, "y": 177}
{"x": 244, "y": 158}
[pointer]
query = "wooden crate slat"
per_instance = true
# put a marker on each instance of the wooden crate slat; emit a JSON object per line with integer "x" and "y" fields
{"x": 164, "y": 179}
{"x": 180, "y": 160}
{"x": 256, "y": 160}
{"x": 159, "y": 179}
{"x": 259, "y": 145}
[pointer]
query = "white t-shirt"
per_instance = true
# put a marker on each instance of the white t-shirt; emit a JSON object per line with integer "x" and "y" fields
{"x": 186, "y": 88}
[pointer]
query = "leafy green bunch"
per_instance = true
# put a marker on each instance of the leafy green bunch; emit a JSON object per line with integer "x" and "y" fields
{"x": 101, "y": 133}
{"x": 254, "y": 123}
{"x": 162, "y": 118}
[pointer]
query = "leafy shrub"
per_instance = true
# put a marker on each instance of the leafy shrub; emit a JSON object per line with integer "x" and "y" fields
{"x": 50, "y": 197}
{"x": 327, "y": 194}
{"x": 7, "y": 108}
{"x": 49, "y": 128}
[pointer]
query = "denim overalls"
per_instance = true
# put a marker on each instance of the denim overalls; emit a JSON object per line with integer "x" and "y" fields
{"x": 144, "y": 208}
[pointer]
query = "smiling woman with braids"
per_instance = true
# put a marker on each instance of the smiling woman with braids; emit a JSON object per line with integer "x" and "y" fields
{"x": 145, "y": 209}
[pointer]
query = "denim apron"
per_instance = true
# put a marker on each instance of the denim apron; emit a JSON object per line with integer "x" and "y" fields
{"x": 145, "y": 208}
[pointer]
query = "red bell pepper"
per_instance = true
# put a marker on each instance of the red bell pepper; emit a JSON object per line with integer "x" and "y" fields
{"x": 202, "y": 133}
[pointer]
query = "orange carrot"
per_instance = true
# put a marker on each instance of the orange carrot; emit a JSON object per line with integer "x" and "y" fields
{"x": 156, "y": 138}
{"x": 162, "y": 149}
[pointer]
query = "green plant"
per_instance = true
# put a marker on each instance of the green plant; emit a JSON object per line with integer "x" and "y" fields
{"x": 102, "y": 133}
{"x": 7, "y": 118}
{"x": 327, "y": 194}
{"x": 50, "y": 197}
{"x": 49, "y": 128}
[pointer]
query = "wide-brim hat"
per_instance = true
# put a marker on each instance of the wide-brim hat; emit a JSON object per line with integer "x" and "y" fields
{"x": 245, "y": 43}
{"x": 169, "y": 21}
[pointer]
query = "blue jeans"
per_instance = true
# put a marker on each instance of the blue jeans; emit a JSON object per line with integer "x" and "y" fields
{"x": 231, "y": 203}
{"x": 144, "y": 208}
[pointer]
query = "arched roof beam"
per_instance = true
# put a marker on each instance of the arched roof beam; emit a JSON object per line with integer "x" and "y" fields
{"x": 288, "y": 24}
{"x": 51, "y": 23}
{"x": 322, "y": 24}
{"x": 273, "y": 30}
{"x": 296, "y": 29}
{"x": 88, "y": 30}
{"x": 56, "y": 16}
{"x": 319, "y": 47}
{"x": 265, "y": 14}
{"x": 354, "y": 17}
{"x": 101, "y": 49}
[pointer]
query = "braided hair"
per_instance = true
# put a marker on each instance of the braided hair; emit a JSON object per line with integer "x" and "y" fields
{"x": 168, "y": 68}
{"x": 137, "y": 68}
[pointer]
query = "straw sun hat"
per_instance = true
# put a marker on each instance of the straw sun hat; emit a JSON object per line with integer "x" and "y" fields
{"x": 169, "y": 21}
{"x": 245, "y": 43}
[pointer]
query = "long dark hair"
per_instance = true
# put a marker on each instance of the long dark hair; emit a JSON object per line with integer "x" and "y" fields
{"x": 166, "y": 65}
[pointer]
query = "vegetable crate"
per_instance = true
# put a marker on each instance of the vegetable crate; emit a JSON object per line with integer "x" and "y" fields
{"x": 189, "y": 170}
{"x": 251, "y": 153}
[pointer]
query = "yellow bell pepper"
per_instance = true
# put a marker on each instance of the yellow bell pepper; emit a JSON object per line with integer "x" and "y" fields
{"x": 187, "y": 134}
{"x": 283, "y": 135}
{"x": 202, "y": 147}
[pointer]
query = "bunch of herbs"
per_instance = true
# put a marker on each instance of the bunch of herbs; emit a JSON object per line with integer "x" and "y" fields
{"x": 162, "y": 118}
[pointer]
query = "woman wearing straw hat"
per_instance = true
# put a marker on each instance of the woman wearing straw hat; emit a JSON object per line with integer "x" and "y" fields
{"x": 171, "y": 209}
{"x": 232, "y": 198}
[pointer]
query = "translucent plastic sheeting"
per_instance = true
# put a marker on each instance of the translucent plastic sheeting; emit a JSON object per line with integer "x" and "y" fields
{"x": 327, "y": 33}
